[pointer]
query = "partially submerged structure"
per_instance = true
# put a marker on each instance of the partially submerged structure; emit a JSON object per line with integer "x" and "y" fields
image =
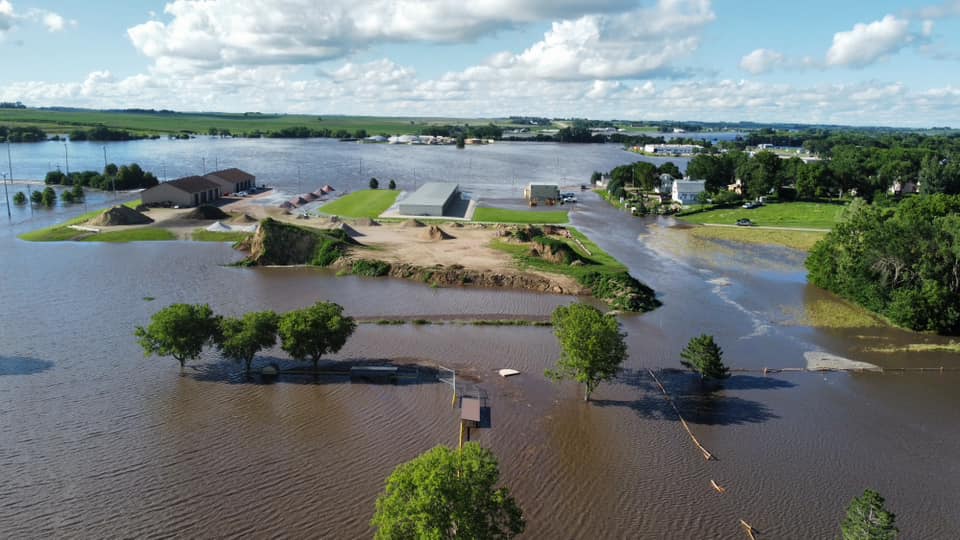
{"x": 433, "y": 199}
{"x": 541, "y": 194}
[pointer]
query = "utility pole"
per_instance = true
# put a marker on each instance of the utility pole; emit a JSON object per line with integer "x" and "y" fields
{"x": 299, "y": 191}
{"x": 6, "y": 196}
{"x": 113, "y": 177}
{"x": 66, "y": 158}
{"x": 10, "y": 168}
{"x": 203, "y": 166}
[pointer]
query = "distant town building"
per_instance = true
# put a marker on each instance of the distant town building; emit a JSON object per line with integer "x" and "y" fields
{"x": 685, "y": 191}
{"x": 433, "y": 199}
{"x": 541, "y": 193}
{"x": 672, "y": 149}
{"x": 904, "y": 188}
{"x": 736, "y": 187}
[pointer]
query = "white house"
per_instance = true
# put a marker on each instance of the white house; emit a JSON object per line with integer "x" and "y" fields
{"x": 685, "y": 191}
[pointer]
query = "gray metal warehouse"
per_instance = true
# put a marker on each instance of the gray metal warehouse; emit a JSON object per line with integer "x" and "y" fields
{"x": 432, "y": 199}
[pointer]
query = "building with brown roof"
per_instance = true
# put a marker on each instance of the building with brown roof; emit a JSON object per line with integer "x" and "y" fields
{"x": 232, "y": 180}
{"x": 187, "y": 191}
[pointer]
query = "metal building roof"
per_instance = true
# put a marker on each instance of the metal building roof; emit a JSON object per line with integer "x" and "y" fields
{"x": 431, "y": 193}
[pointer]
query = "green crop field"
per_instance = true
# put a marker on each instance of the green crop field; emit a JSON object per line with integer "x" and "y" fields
{"x": 160, "y": 123}
{"x": 499, "y": 215}
{"x": 798, "y": 215}
{"x": 359, "y": 204}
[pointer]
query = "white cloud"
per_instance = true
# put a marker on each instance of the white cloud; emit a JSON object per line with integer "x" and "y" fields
{"x": 604, "y": 89}
{"x": 6, "y": 15}
{"x": 53, "y": 21}
{"x": 641, "y": 43}
{"x": 216, "y": 33}
{"x": 761, "y": 61}
{"x": 950, "y": 8}
{"x": 866, "y": 43}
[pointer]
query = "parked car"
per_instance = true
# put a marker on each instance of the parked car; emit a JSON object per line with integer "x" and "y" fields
{"x": 750, "y": 205}
{"x": 744, "y": 222}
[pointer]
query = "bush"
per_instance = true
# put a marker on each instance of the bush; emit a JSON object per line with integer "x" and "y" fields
{"x": 374, "y": 184}
{"x": 364, "y": 267}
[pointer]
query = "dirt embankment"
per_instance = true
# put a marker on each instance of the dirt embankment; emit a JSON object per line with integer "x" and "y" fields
{"x": 452, "y": 276}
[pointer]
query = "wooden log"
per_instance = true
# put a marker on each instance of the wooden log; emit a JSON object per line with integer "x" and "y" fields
{"x": 717, "y": 486}
{"x": 749, "y": 528}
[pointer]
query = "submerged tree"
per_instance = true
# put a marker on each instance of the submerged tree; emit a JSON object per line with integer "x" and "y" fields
{"x": 591, "y": 346}
{"x": 242, "y": 338}
{"x": 392, "y": 184}
{"x": 180, "y": 331}
{"x": 704, "y": 356}
{"x": 19, "y": 198}
{"x": 374, "y": 183}
{"x": 315, "y": 331}
{"x": 867, "y": 519}
{"x": 447, "y": 493}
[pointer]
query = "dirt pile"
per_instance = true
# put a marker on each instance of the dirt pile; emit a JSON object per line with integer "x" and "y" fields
{"x": 277, "y": 243}
{"x": 434, "y": 234}
{"x": 206, "y": 212}
{"x": 411, "y": 223}
{"x": 452, "y": 276}
{"x": 120, "y": 215}
{"x": 365, "y": 222}
{"x": 351, "y": 232}
{"x": 243, "y": 218}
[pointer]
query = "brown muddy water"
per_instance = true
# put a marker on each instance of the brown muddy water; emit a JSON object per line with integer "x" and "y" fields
{"x": 98, "y": 441}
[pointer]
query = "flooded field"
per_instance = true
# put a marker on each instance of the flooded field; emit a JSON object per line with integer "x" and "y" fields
{"x": 96, "y": 440}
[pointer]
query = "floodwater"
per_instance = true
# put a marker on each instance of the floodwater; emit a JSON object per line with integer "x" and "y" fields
{"x": 98, "y": 441}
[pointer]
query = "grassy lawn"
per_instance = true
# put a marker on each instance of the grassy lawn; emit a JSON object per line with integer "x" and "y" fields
{"x": 359, "y": 204}
{"x": 499, "y": 215}
{"x": 144, "y": 234}
{"x": 602, "y": 261}
{"x": 203, "y": 235}
{"x": 63, "y": 232}
{"x": 799, "y": 214}
{"x": 800, "y": 240}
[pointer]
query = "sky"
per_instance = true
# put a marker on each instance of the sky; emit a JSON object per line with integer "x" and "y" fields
{"x": 852, "y": 62}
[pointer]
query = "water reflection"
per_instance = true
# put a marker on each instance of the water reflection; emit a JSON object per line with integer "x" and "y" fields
{"x": 19, "y": 365}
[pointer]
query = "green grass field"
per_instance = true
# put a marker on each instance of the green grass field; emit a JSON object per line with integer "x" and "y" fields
{"x": 800, "y": 214}
{"x": 54, "y": 122}
{"x": 602, "y": 261}
{"x": 800, "y": 240}
{"x": 499, "y": 215}
{"x": 143, "y": 234}
{"x": 368, "y": 203}
{"x": 203, "y": 235}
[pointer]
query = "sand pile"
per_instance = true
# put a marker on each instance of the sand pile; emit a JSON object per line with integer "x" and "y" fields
{"x": 351, "y": 232}
{"x": 243, "y": 218}
{"x": 206, "y": 212}
{"x": 411, "y": 223}
{"x": 365, "y": 222}
{"x": 120, "y": 215}
{"x": 435, "y": 233}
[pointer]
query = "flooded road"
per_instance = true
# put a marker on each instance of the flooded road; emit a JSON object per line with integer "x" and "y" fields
{"x": 96, "y": 440}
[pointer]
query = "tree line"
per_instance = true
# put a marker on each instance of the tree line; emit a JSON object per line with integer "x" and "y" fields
{"x": 902, "y": 262}
{"x": 22, "y": 134}
{"x": 183, "y": 330}
{"x": 125, "y": 177}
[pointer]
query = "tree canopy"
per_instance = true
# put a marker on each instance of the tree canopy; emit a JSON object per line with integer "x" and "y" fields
{"x": 704, "y": 356}
{"x": 312, "y": 332}
{"x": 180, "y": 331}
{"x": 867, "y": 519}
{"x": 901, "y": 262}
{"x": 592, "y": 348}
{"x": 240, "y": 339}
{"x": 447, "y": 493}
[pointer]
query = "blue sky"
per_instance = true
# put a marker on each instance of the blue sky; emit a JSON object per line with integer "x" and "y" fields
{"x": 880, "y": 62}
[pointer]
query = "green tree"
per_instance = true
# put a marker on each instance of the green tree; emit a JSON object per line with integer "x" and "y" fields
{"x": 705, "y": 357}
{"x": 110, "y": 169}
{"x": 67, "y": 197}
{"x": 312, "y": 332}
{"x": 77, "y": 192}
{"x": 591, "y": 346}
{"x": 867, "y": 519}
{"x": 392, "y": 184}
{"x": 19, "y": 198}
{"x": 240, "y": 339}
{"x": 374, "y": 184}
{"x": 180, "y": 331}
{"x": 49, "y": 197}
{"x": 447, "y": 493}
{"x": 36, "y": 197}
{"x": 671, "y": 169}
